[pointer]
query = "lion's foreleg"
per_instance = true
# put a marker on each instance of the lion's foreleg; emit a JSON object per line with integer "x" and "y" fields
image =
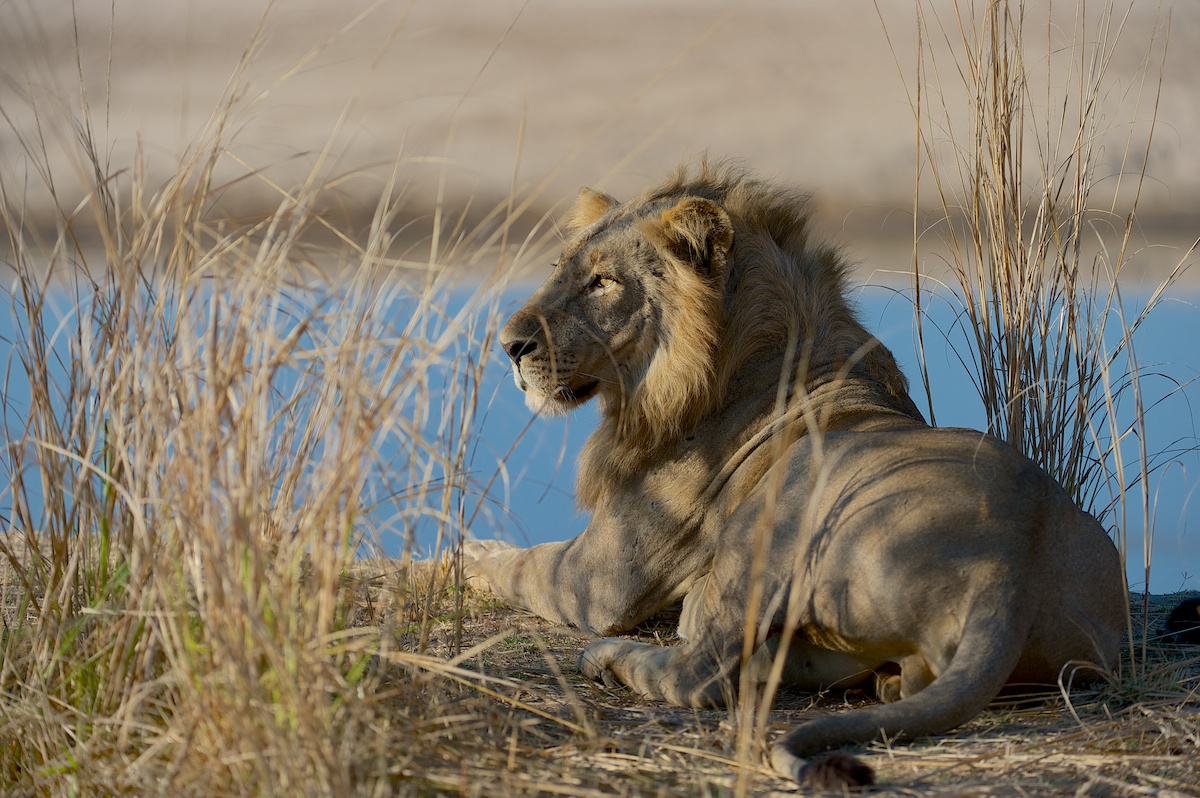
{"x": 686, "y": 676}
{"x": 576, "y": 582}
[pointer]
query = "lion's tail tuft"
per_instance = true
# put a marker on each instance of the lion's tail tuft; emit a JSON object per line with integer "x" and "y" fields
{"x": 832, "y": 772}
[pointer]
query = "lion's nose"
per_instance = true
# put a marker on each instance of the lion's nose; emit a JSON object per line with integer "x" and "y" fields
{"x": 519, "y": 348}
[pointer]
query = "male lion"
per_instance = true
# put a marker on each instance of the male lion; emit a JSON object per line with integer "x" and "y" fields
{"x": 759, "y": 457}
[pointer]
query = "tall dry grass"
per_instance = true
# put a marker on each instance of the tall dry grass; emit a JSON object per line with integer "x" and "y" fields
{"x": 207, "y": 420}
{"x": 1035, "y": 228}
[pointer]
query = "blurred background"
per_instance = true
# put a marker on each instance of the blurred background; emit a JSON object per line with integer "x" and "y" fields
{"x": 473, "y": 98}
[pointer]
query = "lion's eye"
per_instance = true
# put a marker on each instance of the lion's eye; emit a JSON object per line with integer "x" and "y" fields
{"x": 600, "y": 282}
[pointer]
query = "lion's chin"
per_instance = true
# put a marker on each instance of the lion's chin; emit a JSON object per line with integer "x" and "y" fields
{"x": 563, "y": 399}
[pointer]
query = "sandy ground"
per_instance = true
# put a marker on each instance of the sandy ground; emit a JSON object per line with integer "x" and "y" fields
{"x": 473, "y": 97}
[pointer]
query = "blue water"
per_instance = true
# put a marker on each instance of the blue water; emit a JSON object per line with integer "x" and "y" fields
{"x": 522, "y": 468}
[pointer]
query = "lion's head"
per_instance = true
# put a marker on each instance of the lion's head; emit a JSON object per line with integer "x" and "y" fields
{"x": 656, "y": 304}
{"x": 631, "y": 312}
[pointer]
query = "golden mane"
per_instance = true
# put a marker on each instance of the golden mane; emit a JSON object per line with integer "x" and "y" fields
{"x": 780, "y": 291}
{"x": 780, "y": 286}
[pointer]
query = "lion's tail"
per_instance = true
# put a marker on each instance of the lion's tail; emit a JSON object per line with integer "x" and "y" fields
{"x": 991, "y": 646}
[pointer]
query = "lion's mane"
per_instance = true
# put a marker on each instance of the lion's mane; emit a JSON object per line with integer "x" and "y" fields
{"x": 779, "y": 288}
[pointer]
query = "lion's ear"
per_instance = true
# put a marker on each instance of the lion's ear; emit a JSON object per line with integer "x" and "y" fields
{"x": 698, "y": 231}
{"x": 590, "y": 205}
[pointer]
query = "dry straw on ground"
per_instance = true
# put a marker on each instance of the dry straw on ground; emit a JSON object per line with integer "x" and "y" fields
{"x": 204, "y": 430}
{"x": 566, "y": 735}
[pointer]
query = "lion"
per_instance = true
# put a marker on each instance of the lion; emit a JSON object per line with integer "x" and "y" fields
{"x": 759, "y": 458}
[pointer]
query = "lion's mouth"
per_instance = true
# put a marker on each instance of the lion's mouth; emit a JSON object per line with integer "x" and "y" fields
{"x": 559, "y": 399}
{"x": 566, "y": 395}
{"x": 562, "y": 399}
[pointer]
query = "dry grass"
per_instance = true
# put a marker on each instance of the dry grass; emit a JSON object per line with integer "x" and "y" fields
{"x": 1039, "y": 224}
{"x": 207, "y": 421}
{"x": 1034, "y": 226}
{"x": 573, "y": 736}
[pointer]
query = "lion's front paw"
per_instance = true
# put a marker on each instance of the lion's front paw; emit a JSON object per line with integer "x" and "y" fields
{"x": 475, "y": 549}
{"x": 477, "y": 555}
